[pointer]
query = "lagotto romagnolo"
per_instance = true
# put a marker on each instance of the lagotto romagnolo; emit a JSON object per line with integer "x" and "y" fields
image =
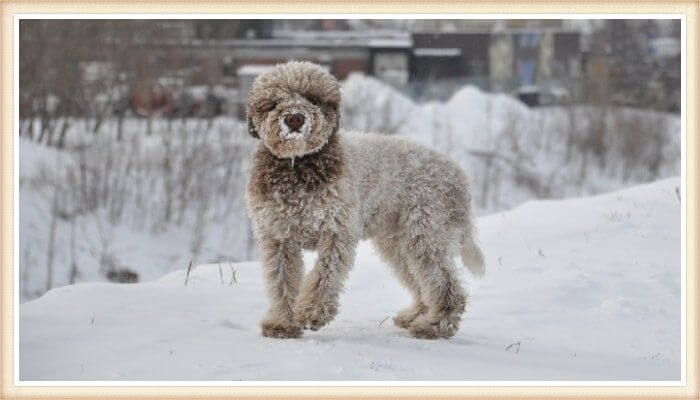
{"x": 315, "y": 187}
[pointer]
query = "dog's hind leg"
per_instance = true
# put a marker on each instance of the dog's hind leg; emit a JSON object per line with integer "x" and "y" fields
{"x": 392, "y": 253}
{"x": 432, "y": 264}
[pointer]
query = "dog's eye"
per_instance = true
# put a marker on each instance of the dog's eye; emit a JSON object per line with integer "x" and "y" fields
{"x": 266, "y": 106}
{"x": 314, "y": 100}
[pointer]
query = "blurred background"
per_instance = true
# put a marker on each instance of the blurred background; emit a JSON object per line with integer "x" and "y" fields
{"x": 134, "y": 154}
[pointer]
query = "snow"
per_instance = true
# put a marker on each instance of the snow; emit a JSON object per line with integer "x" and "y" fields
{"x": 437, "y": 52}
{"x": 365, "y": 37}
{"x": 576, "y": 289}
{"x": 398, "y": 43}
{"x": 254, "y": 69}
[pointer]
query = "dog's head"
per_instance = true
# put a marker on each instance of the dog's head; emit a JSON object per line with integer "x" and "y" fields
{"x": 294, "y": 108}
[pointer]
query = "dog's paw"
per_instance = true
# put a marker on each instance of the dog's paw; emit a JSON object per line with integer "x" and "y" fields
{"x": 423, "y": 328}
{"x": 404, "y": 317}
{"x": 279, "y": 330}
{"x": 315, "y": 316}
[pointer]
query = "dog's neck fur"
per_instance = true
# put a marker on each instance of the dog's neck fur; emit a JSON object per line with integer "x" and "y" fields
{"x": 311, "y": 171}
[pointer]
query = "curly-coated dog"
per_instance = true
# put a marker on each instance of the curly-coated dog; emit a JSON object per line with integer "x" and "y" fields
{"x": 315, "y": 187}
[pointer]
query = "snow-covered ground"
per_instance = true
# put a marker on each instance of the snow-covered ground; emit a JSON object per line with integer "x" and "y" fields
{"x": 578, "y": 289}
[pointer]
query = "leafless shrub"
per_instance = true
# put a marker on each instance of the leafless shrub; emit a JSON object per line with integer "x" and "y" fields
{"x": 186, "y": 178}
{"x": 364, "y": 111}
{"x": 509, "y": 158}
{"x": 640, "y": 139}
{"x": 123, "y": 275}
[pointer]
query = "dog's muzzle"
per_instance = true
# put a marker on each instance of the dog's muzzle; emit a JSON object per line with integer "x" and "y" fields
{"x": 294, "y": 125}
{"x": 294, "y": 121}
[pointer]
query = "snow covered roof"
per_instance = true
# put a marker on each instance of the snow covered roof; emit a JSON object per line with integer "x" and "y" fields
{"x": 394, "y": 39}
{"x": 437, "y": 52}
{"x": 391, "y": 42}
{"x": 363, "y": 34}
{"x": 303, "y": 42}
{"x": 254, "y": 69}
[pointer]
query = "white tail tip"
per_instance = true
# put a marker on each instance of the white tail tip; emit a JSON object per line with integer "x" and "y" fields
{"x": 473, "y": 258}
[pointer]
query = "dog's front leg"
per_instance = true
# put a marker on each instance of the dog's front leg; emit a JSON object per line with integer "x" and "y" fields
{"x": 283, "y": 266}
{"x": 318, "y": 300}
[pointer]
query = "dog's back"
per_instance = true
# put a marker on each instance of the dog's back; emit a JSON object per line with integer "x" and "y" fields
{"x": 403, "y": 182}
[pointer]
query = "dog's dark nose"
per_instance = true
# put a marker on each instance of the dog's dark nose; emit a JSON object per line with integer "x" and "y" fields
{"x": 294, "y": 121}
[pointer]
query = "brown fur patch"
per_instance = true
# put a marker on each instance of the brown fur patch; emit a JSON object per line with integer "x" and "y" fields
{"x": 280, "y": 331}
{"x": 310, "y": 172}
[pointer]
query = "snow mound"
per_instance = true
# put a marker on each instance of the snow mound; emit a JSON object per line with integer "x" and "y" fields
{"x": 581, "y": 289}
{"x": 514, "y": 153}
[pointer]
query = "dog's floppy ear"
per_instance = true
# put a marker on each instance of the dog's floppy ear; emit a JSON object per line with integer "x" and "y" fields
{"x": 333, "y": 105}
{"x": 251, "y": 126}
{"x": 333, "y": 98}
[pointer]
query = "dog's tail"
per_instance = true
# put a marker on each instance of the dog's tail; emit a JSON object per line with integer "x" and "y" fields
{"x": 472, "y": 257}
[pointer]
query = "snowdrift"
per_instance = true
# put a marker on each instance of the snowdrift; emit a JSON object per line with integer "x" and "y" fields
{"x": 580, "y": 289}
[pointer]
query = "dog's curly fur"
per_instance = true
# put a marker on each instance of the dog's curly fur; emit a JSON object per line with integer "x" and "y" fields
{"x": 323, "y": 189}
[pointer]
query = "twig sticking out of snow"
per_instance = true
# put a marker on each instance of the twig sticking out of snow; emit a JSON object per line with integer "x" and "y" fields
{"x": 678, "y": 193}
{"x": 189, "y": 267}
{"x": 233, "y": 275}
{"x": 517, "y": 348}
{"x": 221, "y": 275}
{"x": 383, "y": 321}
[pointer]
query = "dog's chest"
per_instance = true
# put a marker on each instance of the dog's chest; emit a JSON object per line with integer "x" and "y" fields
{"x": 300, "y": 216}
{"x": 297, "y": 201}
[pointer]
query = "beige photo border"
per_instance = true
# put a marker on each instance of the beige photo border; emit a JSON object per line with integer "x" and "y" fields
{"x": 8, "y": 9}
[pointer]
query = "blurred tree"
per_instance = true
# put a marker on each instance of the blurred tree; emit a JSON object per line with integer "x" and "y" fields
{"x": 71, "y": 69}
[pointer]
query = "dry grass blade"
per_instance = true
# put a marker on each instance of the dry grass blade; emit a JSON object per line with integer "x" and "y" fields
{"x": 189, "y": 268}
{"x": 517, "y": 347}
{"x": 233, "y": 275}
